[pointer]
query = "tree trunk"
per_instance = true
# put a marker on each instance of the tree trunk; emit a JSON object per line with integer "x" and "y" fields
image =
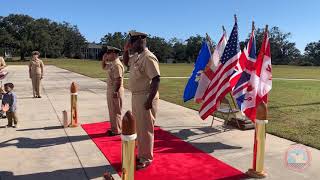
{"x": 22, "y": 57}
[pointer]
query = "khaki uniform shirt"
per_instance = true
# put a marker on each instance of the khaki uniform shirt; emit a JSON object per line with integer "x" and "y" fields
{"x": 114, "y": 70}
{"x": 36, "y": 67}
{"x": 143, "y": 68}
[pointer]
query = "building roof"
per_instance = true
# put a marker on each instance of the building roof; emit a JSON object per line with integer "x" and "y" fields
{"x": 94, "y": 46}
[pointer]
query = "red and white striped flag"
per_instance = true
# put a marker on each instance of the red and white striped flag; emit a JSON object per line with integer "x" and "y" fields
{"x": 220, "y": 79}
{"x": 260, "y": 82}
{"x": 206, "y": 76}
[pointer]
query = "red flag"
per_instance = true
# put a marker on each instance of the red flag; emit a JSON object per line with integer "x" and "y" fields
{"x": 264, "y": 71}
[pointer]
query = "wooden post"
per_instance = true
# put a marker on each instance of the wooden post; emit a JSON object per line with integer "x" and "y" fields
{"x": 128, "y": 137}
{"x": 65, "y": 118}
{"x": 257, "y": 170}
{"x": 74, "y": 105}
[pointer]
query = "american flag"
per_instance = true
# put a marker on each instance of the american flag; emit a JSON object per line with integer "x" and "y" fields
{"x": 220, "y": 83}
{"x": 243, "y": 90}
{"x": 207, "y": 75}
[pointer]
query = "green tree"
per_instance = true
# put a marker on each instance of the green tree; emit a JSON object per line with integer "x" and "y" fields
{"x": 312, "y": 53}
{"x": 160, "y": 47}
{"x": 73, "y": 41}
{"x": 179, "y": 49}
{"x": 52, "y": 39}
{"x": 116, "y": 39}
{"x": 282, "y": 50}
{"x": 19, "y": 27}
{"x": 193, "y": 47}
{"x": 40, "y": 35}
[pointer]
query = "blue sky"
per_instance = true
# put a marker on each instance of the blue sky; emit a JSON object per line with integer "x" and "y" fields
{"x": 179, "y": 18}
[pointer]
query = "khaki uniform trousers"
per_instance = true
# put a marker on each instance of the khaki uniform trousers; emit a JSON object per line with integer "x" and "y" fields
{"x": 36, "y": 80}
{"x": 12, "y": 117}
{"x": 115, "y": 107}
{"x": 145, "y": 120}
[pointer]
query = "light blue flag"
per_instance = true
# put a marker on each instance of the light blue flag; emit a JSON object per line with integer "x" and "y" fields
{"x": 201, "y": 63}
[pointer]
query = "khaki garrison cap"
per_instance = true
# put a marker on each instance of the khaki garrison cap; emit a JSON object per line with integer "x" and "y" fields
{"x": 137, "y": 35}
{"x": 113, "y": 49}
{"x": 36, "y": 53}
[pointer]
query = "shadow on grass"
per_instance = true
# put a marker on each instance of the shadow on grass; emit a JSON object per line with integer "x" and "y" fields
{"x": 295, "y": 105}
{"x": 65, "y": 174}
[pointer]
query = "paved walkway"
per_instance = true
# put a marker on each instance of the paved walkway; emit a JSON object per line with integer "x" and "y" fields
{"x": 41, "y": 149}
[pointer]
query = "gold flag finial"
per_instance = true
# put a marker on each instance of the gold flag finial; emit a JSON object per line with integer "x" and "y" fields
{"x": 253, "y": 27}
{"x": 267, "y": 26}
{"x": 223, "y": 29}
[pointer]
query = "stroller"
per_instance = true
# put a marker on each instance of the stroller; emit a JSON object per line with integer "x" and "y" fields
{"x": 3, "y": 74}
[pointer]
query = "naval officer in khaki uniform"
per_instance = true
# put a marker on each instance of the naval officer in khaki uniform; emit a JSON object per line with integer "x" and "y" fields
{"x": 36, "y": 73}
{"x": 2, "y": 63}
{"x": 144, "y": 83}
{"x": 114, "y": 68}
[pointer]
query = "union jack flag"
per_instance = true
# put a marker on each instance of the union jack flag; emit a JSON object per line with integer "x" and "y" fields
{"x": 243, "y": 89}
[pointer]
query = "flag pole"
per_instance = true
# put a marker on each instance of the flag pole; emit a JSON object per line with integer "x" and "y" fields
{"x": 257, "y": 170}
{"x": 253, "y": 26}
{"x": 210, "y": 42}
{"x": 223, "y": 29}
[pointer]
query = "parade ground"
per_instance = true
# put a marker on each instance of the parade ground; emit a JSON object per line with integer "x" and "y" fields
{"x": 42, "y": 149}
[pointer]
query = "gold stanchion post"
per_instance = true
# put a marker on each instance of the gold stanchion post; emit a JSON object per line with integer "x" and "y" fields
{"x": 74, "y": 105}
{"x": 257, "y": 170}
{"x": 128, "y": 138}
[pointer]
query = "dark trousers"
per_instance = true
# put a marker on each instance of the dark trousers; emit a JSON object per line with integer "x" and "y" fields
{"x": 12, "y": 116}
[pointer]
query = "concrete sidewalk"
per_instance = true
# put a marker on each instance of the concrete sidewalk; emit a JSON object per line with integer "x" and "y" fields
{"x": 41, "y": 149}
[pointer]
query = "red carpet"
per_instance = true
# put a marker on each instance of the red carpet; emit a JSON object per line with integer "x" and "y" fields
{"x": 173, "y": 158}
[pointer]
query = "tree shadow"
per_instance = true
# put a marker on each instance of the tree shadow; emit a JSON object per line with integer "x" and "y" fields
{"x": 166, "y": 142}
{"x": 44, "y": 128}
{"x": 65, "y": 174}
{"x": 23, "y": 142}
{"x": 29, "y": 97}
{"x": 294, "y": 105}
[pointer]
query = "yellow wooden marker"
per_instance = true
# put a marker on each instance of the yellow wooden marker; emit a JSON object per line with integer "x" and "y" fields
{"x": 128, "y": 137}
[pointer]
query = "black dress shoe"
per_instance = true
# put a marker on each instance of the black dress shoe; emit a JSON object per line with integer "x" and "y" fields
{"x": 39, "y": 97}
{"x": 142, "y": 165}
{"x": 111, "y": 133}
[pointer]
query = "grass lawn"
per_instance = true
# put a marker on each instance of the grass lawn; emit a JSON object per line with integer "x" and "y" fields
{"x": 294, "y": 108}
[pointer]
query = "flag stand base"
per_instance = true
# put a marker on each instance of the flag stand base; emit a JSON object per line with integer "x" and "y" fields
{"x": 254, "y": 174}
